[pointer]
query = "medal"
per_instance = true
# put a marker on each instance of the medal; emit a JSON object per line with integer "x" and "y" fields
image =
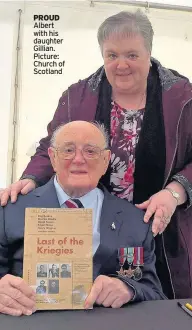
{"x": 137, "y": 274}
{"x": 122, "y": 254}
{"x": 128, "y": 272}
{"x": 138, "y": 261}
{"x": 134, "y": 257}
{"x": 130, "y": 256}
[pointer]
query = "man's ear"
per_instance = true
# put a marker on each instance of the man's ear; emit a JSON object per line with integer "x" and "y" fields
{"x": 107, "y": 157}
{"x": 51, "y": 154}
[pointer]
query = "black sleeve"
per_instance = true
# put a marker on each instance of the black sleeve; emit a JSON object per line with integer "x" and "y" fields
{"x": 4, "y": 259}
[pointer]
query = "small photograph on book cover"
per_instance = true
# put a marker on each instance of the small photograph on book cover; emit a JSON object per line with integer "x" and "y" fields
{"x": 53, "y": 286}
{"x": 53, "y": 271}
{"x": 42, "y": 270}
{"x": 41, "y": 286}
{"x": 65, "y": 271}
{"x": 79, "y": 294}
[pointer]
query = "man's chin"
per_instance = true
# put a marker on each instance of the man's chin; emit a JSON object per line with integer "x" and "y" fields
{"x": 79, "y": 188}
{"x": 76, "y": 179}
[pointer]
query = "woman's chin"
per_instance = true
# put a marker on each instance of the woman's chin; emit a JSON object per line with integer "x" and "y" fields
{"x": 123, "y": 87}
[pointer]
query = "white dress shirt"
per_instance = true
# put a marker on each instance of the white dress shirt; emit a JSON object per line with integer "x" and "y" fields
{"x": 93, "y": 200}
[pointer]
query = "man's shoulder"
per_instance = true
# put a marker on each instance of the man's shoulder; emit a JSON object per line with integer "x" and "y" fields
{"x": 118, "y": 202}
{"x": 28, "y": 199}
{"x": 123, "y": 206}
{"x": 21, "y": 202}
{"x": 130, "y": 217}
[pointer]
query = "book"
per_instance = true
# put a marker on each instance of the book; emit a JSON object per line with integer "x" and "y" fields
{"x": 58, "y": 261}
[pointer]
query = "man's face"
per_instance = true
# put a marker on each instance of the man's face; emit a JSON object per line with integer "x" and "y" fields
{"x": 79, "y": 175}
{"x": 64, "y": 268}
{"x": 53, "y": 284}
{"x": 42, "y": 283}
{"x": 54, "y": 267}
{"x": 41, "y": 268}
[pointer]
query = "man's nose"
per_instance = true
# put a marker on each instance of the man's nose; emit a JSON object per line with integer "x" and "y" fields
{"x": 78, "y": 157}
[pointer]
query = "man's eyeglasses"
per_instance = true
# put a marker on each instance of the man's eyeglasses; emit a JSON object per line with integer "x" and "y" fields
{"x": 88, "y": 151}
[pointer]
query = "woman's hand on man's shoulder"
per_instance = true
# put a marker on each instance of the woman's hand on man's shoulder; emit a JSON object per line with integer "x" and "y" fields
{"x": 22, "y": 186}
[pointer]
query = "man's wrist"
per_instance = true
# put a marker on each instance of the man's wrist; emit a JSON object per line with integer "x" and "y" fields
{"x": 130, "y": 288}
{"x": 132, "y": 292}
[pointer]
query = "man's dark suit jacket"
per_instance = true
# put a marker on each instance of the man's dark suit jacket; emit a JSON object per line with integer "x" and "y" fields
{"x": 130, "y": 231}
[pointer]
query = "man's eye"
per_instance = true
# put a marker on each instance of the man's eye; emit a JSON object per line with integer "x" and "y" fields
{"x": 68, "y": 150}
{"x": 90, "y": 151}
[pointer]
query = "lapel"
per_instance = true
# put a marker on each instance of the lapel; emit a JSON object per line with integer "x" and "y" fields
{"x": 109, "y": 237}
{"x": 47, "y": 196}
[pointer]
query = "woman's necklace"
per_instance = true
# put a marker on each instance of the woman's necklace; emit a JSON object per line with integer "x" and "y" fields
{"x": 138, "y": 106}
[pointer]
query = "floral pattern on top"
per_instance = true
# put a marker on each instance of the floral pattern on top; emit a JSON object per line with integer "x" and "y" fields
{"x": 125, "y": 129}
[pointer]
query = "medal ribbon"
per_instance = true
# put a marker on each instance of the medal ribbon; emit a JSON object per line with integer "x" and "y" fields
{"x": 130, "y": 255}
{"x": 122, "y": 253}
{"x": 138, "y": 256}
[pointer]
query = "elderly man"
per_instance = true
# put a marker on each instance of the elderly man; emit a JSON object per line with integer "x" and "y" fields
{"x": 123, "y": 245}
{"x": 64, "y": 271}
{"x": 54, "y": 271}
{"x": 41, "y": 289}
{"x": 42, "y": 271}
{"x": 53, "y": 286}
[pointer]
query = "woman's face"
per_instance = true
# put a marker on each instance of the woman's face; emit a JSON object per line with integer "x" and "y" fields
{"x": 127, "y": 63}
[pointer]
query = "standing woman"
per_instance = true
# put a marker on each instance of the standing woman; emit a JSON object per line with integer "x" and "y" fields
{"x": 147, "y": 110}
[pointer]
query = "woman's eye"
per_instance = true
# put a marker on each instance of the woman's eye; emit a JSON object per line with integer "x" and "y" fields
{"x": 132, "y": 56}
{"x": 112, "y": 56}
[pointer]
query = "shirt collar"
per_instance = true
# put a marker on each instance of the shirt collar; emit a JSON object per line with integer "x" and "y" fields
{"x": 63, "y": 197}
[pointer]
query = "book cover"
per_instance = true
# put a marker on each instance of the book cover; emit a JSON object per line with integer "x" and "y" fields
{"x": 58, "y": 256}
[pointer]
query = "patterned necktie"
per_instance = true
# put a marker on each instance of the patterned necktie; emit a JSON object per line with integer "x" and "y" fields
{"x": 74, "y": 203}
